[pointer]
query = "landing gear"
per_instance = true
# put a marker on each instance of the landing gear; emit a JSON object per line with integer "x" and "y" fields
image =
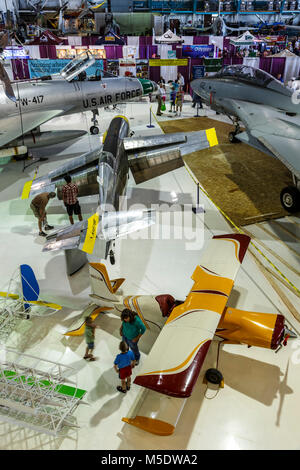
{"x": 290, "y": 199}
{"x": 232, "y": 135}
{"x": 214, "y": 376}
{"x": 232, "y": 138}
{"x": 94, "y": 130}
{"x": 112, "y": 257}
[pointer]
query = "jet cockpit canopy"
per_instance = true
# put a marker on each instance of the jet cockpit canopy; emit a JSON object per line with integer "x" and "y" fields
{"x": 253, "y": 76}
{"x": 78, "y": 65}
{"x": 246, "y": 73}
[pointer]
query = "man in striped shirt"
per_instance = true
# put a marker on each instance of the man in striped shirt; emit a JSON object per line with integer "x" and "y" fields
{"x": 69, "y": 195}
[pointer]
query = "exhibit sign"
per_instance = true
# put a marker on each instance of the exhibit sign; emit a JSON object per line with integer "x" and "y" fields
{"x": 198, "y": 71}
{"x": 127, "y": 67}
{"x": 172, "y": 55}
{"x": 168, "y": 62}
{"x": 130, "y": 52}
{"x": 15, "y": 52}
{"x": 196, "y": 52}
{"x": 38, "y": 68}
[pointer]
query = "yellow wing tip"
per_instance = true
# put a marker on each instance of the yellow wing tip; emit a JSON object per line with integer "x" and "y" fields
{"x": 212, "y": 137}
{"x": 91, "y": 234}
{"x": 154, "y": 426}
{"x": 26, "y": 190}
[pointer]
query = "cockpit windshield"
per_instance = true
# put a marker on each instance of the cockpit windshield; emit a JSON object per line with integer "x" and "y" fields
{"x": 77, "y": 66}
{"x": 245, "y": 73}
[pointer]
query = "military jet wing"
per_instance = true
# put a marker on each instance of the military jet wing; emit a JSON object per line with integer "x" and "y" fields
{"x": 156, "y": 155}
{"x": 270, "y": 131}
{"x": 12, "y": 128}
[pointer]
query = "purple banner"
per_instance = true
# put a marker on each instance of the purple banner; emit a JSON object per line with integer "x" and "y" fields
{"x": 196, "y": 52}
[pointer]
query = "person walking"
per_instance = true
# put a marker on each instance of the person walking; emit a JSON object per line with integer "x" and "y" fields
{"x": 179, "y": 101}
{"x": 38, "y": 207}
{"x": 172, "y": 99}
{"x": 131, "y": 330}
{"x": 89, "y": 334}
{"x": 159, "y": 99}
{"x": 123, "y": 365}
{"x": 69, "y": 195}
{"x": 180, "y": 79}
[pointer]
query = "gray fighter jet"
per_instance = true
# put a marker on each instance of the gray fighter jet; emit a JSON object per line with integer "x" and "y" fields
{"x": 104, "y": 172}
{"x": 268, "y": 110}
{"x": 26, "y": 105}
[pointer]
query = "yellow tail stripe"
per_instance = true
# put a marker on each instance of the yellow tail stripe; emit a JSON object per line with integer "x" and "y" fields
{"x": 91, "y": 234}
{"x": 98, "y": 6}
{"x": 138, "y": 310}
{"x": 212, "y": 137}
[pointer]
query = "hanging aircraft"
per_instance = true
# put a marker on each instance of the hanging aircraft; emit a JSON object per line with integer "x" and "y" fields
{"x": 105, "y": 172}
{"x": 187, "y": 329}
{"x": 26, "y": 105}
{"x": 268, "y": 110}
{"x": 90, "y": 6}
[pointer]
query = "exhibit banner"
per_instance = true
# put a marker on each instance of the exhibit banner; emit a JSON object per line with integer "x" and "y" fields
{"x": 15, "y": 52}
{"x": 38, "y": 68}
{"x": 198, "y": 71}
{"x": 168, "y": 62}
{"x": 196, "y": 52}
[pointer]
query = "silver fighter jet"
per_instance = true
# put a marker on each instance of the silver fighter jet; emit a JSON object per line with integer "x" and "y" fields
{"x": 105, "y": 172}
{"x": 268, "y": 110}
{"x": 26, "y": 105}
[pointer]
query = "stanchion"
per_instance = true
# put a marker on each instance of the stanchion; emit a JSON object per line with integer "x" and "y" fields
{"x": 150, "y": 125}
{"x": 198, "y": 209}
{"x": 198, "y": 107}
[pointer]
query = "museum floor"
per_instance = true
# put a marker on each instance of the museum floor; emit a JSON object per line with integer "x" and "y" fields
{"x": 259, "y": 406}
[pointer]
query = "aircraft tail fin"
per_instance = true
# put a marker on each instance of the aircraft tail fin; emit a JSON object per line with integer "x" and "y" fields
{"x": 106, "y": 227}
{"x": 102, "y": 286}
{"x": 30, "y": 286}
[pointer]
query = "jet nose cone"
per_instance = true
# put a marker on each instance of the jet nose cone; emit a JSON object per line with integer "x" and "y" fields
{"x": 148, "y": 86}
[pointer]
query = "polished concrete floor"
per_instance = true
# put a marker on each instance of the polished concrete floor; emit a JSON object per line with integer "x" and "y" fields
{"x": 259, "y": 406}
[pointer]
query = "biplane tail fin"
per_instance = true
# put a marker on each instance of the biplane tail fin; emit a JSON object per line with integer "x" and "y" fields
{"x": 31, "y": 290}
{"x": 30, "y": 286}
{"x": 102, "y": 286}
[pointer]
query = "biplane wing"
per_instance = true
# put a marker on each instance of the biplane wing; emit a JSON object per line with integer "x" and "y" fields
{"x": 175, "y": 361}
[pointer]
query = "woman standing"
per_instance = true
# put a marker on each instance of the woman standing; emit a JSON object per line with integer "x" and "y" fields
{"x": 131, "y": 330}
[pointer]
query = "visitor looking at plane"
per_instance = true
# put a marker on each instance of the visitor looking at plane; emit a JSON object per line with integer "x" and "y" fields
{"x": 38, "y": 207}
{"x": 69, "y": 195}
{"x": 131, "y": 330}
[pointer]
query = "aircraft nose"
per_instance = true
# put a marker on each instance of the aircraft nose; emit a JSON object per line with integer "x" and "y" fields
{"x": 148, "y": 86}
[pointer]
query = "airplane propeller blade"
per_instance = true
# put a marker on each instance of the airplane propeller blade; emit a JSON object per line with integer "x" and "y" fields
{"x": 7, "y": 84}
{"x": 4, "y": 40}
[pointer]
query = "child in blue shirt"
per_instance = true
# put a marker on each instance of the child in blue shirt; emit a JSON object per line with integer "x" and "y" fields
{"x": 123, "y": 364}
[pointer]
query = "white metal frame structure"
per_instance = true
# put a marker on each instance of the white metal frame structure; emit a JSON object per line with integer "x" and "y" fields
{"x": 12, "y": 305}
{"x": 33, "y": 393}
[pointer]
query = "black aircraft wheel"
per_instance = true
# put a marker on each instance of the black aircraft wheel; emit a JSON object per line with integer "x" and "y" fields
{"x": 232, "y": 138}
{"x": 214, "y": 376}
{"x": 94, "y": 130}
{"x": 112, "y": 257}
{"x": 290, "y": 199}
